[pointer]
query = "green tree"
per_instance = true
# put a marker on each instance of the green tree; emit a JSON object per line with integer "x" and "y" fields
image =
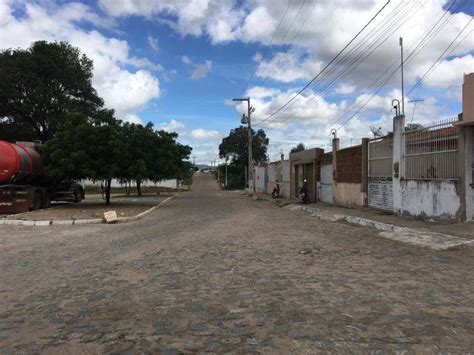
{"x": 87, "y": 147}
{"x": 235, "y": 146}
{"x": 136, "y": 164}
{"x": 40, "y": 87}
{"x": 298, "y": 148}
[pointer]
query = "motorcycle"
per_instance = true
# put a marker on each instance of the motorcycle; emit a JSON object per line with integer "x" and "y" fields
{"x": 304, "y": 194}
{"x": 276, "y": 191}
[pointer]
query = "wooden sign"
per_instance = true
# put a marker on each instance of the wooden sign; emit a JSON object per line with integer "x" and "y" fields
{"x": 110, "y": 216}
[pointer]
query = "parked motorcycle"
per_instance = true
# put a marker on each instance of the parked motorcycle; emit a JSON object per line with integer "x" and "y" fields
{"x": 304, "y": 194}
{"x": 276, "y": 191}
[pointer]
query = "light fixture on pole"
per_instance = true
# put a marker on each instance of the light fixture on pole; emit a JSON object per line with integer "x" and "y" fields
{"x": 401, "y": 66}
{"x": 246, "y": 120}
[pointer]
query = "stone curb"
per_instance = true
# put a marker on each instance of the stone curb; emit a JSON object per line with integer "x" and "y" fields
{"x": 431, "y": 240}
{"x": 21, "y": 222}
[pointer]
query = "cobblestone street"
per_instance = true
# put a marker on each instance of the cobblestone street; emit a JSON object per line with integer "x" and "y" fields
{"x": 213, "y": 271}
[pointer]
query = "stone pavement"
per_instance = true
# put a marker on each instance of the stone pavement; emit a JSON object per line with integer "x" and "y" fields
{"x": 461, "y": 230}
{"x": 215, "y": 272}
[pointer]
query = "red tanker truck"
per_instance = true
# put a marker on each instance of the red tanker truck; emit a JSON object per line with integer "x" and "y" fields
{"x": 23, "y": 185}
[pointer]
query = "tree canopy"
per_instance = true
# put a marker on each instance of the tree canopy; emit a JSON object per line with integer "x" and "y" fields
{"x": 298, "y": 148}
{"x": 102, "y": 148}
{"x": 235, "y": 146}
{"x": 46, "y": 94}
{"x": 41, "y": 86}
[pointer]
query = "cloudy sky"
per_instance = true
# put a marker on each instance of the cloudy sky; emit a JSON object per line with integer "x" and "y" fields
{"x": 178, "y": 63}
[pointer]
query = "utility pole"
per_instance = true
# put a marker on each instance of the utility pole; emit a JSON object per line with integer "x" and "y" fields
{"x": 226, "y": 171}
{"x": 403, "y": 93}
{"x": 246, "y": 119}
{"x": 415, "y": 101}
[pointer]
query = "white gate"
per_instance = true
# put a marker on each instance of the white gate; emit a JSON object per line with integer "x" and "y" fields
{"x": 326, "y": 183}
{"x": 380, "y": 189}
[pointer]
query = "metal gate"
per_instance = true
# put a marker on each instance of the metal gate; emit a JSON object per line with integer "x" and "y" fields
{"x": 380, "y": 189}
{"x": 326, "y": 183}
{"x": 309, "y": 177}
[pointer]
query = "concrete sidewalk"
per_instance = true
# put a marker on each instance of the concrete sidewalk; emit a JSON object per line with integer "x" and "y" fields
{"x": 436, "y": 236}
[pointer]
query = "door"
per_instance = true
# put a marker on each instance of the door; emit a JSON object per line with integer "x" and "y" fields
{"x": 380, "y": 189}
{"x": 326, "y": 183}
{"x": 309, "y": 177}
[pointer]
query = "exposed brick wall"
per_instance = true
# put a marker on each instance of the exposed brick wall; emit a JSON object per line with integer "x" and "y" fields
{"x": 349, "y": 165}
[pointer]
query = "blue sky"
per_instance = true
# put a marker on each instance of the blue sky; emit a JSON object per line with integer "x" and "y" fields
{"x": 178, "y": 63}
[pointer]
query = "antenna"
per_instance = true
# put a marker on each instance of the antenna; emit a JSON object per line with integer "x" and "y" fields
{"x": 415, "y": 101}
{"x": 377, "y": 132}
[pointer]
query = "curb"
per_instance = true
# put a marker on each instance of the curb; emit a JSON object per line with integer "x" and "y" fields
{"x": 430, "y": 240}
{"x": 63, "y": 222}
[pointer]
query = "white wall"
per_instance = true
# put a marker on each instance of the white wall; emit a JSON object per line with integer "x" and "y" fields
{"x": 430, "y": 199}
{"x": 260, "y": 176}
{"x": 172, "y": 183}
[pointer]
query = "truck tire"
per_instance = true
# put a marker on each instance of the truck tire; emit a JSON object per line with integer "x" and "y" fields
{"x": 36, "y": 201}
{"x": 46, "y": 201}
{"x": 77, "y": 196}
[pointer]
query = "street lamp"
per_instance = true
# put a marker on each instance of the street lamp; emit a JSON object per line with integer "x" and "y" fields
{"x": 246, "y": 120}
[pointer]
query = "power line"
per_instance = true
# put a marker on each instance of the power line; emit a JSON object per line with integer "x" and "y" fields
{"x": 365, "y": 53}
{"x": 435, "y": 64}
{"x": 419, "y": 47}
{"x": 380, "y": 32}
{"x": 327, "y": 65}
{"x": 294, "y": 36}
{"x": 271, "y": 41}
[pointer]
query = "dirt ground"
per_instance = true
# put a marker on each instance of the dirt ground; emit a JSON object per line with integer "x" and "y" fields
{"x": 216, "y": 272}
{"x": 93, "y": 207}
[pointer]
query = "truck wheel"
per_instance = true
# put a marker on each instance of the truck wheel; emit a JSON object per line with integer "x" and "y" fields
{"x": 46, "y": 201}
{"x": 77, "y": 196}
{"x": 37, "y": 201}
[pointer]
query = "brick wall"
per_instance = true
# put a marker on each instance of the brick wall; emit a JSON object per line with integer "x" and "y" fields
{"x": 349, "y": 165}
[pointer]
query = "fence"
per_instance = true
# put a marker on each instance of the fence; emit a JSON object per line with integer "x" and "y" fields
{"x": 431, "y": 152}
{"x": 380, "y": 158}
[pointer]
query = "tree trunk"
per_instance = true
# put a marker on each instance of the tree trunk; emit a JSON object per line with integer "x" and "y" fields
{"x": 139, "y": 187}
{"x": 107, "y": 191}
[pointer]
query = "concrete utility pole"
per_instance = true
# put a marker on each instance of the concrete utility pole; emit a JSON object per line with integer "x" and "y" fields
{"x": 226, "y": 171}
{"x": 403, "y": 93}
{"x": 246, "y": 119}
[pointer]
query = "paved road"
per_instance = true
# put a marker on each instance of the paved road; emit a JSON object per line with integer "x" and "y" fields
{"x": 214, "y": 271}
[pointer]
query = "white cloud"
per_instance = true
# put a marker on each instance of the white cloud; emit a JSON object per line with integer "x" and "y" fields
{"x": 201, "y": 70}
{"x": 287, "y": 67}
{"x": 124, "y": 90}
{"x": 344, "y": 89}
{"x": 205, "y": 134}
{"x": 153, "y": 43}
{"x": 448, "y": 72}
{"x": 186, "y": 59}
{"x": 172, "y": 126}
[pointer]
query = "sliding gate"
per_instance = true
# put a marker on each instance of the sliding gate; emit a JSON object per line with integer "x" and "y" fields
{"x": 380, "y": 189}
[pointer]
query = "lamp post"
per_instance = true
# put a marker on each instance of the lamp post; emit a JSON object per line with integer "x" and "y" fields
{"x": 400, "y": 42}
{"x": 246, "y": 119}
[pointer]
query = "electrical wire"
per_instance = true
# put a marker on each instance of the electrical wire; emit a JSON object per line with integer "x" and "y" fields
{"x": 271, "y": 41}
{"x": 434, "y": 30}
{"x": 390, "y": 27}
{"x": 438, "y": 60}
{"x": 327, "y": 65}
